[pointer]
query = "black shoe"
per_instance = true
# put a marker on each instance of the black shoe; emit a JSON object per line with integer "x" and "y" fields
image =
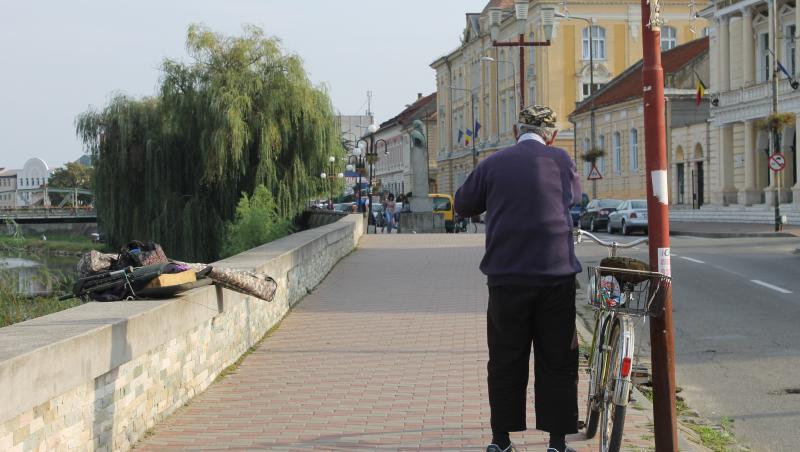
{"x": 553, "y": 449}
{"x": 496, "y": 448}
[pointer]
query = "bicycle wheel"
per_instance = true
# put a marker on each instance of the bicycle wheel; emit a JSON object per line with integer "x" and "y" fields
{"x": 613, "y": 415}
{"x": 595, "y": 397}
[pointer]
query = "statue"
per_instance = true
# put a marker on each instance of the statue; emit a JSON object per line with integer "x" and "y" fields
{"x": 419, "y": 168}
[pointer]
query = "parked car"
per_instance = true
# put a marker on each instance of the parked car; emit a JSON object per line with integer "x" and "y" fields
{"x": 596, "y": 214}
{"x": 630, "y": 215}
{"x": 575, "y": 212}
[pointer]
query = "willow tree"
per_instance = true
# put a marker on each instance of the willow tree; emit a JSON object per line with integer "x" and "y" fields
{"x": 240, "y": 113}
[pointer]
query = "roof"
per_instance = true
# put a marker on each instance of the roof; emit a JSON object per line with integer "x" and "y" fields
{"x": 628, "y": 85}
{"x": 505, "y": 4}
{"x": 9, "y": 172}
{"x": 409, "y": 112}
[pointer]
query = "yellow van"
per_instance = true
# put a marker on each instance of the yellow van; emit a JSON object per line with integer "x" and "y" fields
{"x": 444, "y": 204}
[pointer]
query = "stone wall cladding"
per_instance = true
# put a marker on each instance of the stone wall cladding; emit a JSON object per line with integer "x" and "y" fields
{"x": 115, "y": 409}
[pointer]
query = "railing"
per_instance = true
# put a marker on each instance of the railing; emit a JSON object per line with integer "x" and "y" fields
{"x": 45, "y": 212}
{"x": 753, "y": 93}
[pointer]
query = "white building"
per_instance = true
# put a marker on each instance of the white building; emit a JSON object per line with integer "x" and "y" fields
{"x": 22, "y": 187}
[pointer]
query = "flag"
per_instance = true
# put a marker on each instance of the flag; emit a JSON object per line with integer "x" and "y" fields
{"x": 701, "y": 89}
{"x": 477, "y": 128}
{"x": 783, "y": 69}
{"x": 469, "y": 137}
{"x": 460, "y": 135}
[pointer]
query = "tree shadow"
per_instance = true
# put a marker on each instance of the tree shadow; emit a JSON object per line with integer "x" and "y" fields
{"x": 106, "y": 391}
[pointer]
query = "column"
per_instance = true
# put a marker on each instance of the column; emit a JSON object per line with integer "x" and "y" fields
{"x": 796, "y": 188}
{"x": 748, "y": 48}
{"x": 724, "y": 55}
{"x": 749, "y": 195}
{"x": 726, "y": 191}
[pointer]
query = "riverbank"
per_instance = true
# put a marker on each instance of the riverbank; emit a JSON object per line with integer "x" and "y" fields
{"x": 57, "y": 245}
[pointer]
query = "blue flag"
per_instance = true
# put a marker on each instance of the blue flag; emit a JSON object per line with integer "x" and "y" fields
{"x": 477, "y": 128}
{"x": 460, "y": 135}
{"x": 469, "y": 137}
{"x": 783, "y": 69}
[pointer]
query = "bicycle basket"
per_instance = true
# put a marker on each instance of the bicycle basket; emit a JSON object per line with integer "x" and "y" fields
{"x": 627, "y": 291}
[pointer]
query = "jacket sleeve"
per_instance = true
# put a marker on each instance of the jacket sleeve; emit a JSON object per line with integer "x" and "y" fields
{"x": 470, "y": 199}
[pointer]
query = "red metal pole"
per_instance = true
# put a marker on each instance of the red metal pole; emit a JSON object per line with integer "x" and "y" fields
{"x": 661, "y": 331}
{"x": 521, "y": 71}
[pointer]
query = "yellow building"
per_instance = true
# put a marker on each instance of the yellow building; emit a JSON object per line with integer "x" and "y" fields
{"x": 479, "y": 83}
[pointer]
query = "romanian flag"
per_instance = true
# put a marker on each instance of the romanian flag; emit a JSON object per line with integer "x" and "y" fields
{"x": 468, "y": 138}
{"x": 701, "y": 89}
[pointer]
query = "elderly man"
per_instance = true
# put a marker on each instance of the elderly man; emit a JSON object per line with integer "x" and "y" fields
{"x": 530, "y": 264}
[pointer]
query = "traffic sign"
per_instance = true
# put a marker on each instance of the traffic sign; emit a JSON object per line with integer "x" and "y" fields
{"x": 594, "y": 174}
{"x": 777, "y": 162}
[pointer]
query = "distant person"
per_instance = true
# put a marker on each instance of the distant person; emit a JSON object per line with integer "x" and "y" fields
{"x": 388, "y": 211}
{"x": 526, "y": 190}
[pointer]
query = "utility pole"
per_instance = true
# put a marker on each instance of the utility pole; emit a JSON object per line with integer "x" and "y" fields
{"x": 661, "y": 330}
{"x": 774, "y": 143}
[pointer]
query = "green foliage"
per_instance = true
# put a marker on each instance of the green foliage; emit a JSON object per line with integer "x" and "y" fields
{"x": 241, "y": 113}
{"x": 257, "y": 222}
{"x": 15, "y": 307}
{"x": 72, "y": 175}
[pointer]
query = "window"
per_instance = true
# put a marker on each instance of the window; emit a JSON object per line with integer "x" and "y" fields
{"x": 501, "y": 67}
{"x": 532, "y": 94}
{"x": 615, "y": 142}
{"x": 763, "y": 57}
{"x": 790, "y": 49}
{"x": 476, "y": 75}
{"x": 706, "y": 31}
{"x": 586, "y": 166}
{"x": 601, "y": 162}
{"x": 634, "y": 150}
{"x": 669, "y": 38}
{"x": 598, "y": 43}
{"x": 586, "y": 93}
{"x": 503, "y": 116}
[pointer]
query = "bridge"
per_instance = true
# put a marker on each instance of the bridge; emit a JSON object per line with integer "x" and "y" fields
{"x": 35, "y": 215}
{"x": 373, "y": 342}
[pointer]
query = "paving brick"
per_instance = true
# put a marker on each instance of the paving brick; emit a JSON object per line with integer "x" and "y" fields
{"x": 387, "y": 353}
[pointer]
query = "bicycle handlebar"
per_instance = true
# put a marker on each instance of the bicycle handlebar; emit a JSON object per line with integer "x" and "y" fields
{"x": 608, "y": 244}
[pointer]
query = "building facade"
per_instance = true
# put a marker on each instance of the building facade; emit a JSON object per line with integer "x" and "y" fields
{"x": 393, "y": 170}
{"x": 619, "y": 130}
{"x": 741, "y": 61}
{"x": 475, "y": 90}
{"x": 23, "y": 187}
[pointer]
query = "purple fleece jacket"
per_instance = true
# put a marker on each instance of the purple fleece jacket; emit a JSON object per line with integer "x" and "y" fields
{"x": 526, "y": 191}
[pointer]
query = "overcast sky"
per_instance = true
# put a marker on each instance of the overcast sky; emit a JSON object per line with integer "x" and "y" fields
{"x": 60, "y": 57}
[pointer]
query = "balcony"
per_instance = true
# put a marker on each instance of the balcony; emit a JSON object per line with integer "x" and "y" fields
{"x": 753, "y": 102}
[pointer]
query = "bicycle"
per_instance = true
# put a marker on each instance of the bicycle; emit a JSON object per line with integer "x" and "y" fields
{"x": 621, "y": 290}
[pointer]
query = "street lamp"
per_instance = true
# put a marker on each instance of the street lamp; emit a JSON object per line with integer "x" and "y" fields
{"x": 331, "y": 176}
{"x": 589, "y": 21}
{"x": 356, "y": 162}
{"x": 371, "y": 155}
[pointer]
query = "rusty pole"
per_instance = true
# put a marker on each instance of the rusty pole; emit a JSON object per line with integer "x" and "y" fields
{"x": 661, "y": 330}
{"x": 521, "y": 71}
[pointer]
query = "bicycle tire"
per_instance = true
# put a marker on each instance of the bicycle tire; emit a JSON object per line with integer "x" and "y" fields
{"x": 613, "y": 415}
{"x": 595, "y": 378}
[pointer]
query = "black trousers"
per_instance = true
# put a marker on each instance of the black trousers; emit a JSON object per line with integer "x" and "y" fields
{"x": 517, "y": 317}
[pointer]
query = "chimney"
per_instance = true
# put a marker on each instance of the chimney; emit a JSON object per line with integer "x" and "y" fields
{"x": 419, "y": 96}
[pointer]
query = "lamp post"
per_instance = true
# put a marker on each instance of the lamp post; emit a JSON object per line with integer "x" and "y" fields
{"x": 371, "y": 158}
{"x": 521, "y": 12}
{"x": 589, "y": 21}
{"x": 356, "y": 162}
{"x": 331, "y": 176}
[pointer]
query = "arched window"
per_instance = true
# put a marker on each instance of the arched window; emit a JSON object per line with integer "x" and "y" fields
{"x": 669, "y": 38}
{"x": 634, "y": 150}
{"x": 501, "y": 67}
{"x": 598, "y": 43}
{"x": 617, "y": 155}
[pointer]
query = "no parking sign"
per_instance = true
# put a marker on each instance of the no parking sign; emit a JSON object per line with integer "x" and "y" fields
{"x": 777, "y": 162}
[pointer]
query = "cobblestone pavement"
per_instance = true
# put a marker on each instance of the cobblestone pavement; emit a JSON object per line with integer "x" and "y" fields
{"x": 388, "y": 353}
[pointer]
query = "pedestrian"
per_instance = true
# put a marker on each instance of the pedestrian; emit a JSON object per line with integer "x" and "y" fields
{"x": 530, "y": 263}
{"x": 388, "y": 212}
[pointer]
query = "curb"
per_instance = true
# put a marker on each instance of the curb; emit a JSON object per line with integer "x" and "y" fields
{"x": 727, "y": 235}
{"x": 684, "y": 433}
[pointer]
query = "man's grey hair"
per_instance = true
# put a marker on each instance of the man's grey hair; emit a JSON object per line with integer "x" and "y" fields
{"x": 544, "y": 132}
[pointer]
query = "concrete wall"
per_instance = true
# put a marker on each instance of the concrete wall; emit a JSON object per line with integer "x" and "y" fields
{"x": 97, "y": 376}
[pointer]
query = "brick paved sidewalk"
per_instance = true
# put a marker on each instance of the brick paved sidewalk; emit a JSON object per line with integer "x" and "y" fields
{"x": 388, "y": 353}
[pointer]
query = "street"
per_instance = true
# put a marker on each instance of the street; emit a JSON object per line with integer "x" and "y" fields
{"x": 737, "y": 341}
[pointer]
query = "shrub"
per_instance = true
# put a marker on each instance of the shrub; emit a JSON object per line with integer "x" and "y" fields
{"x": 257, "y": 222}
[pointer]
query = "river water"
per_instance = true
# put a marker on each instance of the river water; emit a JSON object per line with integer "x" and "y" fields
{"x": 31, "y": 274}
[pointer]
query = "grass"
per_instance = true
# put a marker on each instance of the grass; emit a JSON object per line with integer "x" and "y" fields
{"x": 15, "y": 308}
{"x": 716, "y": 438}
{"x": 55, "y": 242}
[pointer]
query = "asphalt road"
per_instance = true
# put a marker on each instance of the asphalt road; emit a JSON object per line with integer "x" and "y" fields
{"x": 737, "y": 332}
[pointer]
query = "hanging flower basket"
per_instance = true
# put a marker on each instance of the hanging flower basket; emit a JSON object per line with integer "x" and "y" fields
{"x": 776, "y": 121}
{"x": 592, "y": 155}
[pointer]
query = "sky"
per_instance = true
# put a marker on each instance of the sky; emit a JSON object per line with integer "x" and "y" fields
{"x": 60, "y": 58}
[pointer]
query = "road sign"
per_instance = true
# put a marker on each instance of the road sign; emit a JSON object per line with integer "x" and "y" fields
{"x": 594, "y": 174}
{"x": 777, "y": 162}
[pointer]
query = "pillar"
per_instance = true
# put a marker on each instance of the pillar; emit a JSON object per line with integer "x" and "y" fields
{"x": 726, "y": 192}
{"x": 724, "y": 55}
{"x": 748, "y": 48}
{"x": 749, "y": 195}
{"x": 796, "y": 188}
